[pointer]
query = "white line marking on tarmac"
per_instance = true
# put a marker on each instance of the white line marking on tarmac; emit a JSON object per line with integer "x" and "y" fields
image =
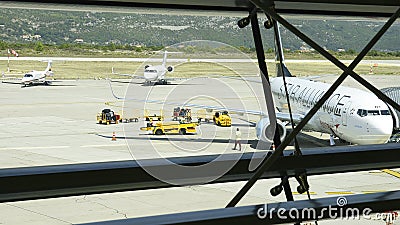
{"x": 32, "y": 148}
{"x": 109, "y": 145}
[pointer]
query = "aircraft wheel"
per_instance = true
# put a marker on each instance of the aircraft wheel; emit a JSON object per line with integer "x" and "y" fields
{"x": 301, "y": 189}
{"x": 276, "y": 190}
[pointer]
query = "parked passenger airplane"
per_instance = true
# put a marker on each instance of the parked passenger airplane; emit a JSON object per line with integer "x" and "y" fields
{"x": 353, "y": 115}
{"x": 155, "y": 74}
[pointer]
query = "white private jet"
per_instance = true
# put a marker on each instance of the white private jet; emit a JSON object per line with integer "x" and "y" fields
{"x": 154, "y": 74}
{"x": 353, "y": 115}
{"x": 36, "y": 77}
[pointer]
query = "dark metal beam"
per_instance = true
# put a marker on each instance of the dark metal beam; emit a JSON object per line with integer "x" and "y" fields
{"x": 368, "y": 8}
{"x": 323, "y": 208}
{"x": 268, "y": 8}
{"x": 27, "y": 183}
{"x": 264, "y": 73}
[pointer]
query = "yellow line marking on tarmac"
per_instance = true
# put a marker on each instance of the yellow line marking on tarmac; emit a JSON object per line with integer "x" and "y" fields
{"x": 392, "y": 172}
{"x": 370, "y": 192}
{"x": 305, "y": 193}
{"x": 339, "y": 192}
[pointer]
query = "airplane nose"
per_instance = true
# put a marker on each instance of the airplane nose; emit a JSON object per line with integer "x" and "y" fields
{"x": 379, "y": 131}
{"x": 150, "y": 76}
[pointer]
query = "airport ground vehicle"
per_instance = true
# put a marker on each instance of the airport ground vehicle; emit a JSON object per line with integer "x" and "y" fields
{"x": 153, "y": 117}
{"x": 395, "y": 138}
{"x": 182, "y": 114}
{"x": 129, "y": 120}
{"x": 107, "y": 116}
{"x": 204, "y": 115}
{"x": 222, "y": 119}
{"x": 171, "y": 128}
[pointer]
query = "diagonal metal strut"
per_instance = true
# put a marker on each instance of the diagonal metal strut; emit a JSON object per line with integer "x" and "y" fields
{"x": 267, "y": 163}
{"x": 264, "y": 72}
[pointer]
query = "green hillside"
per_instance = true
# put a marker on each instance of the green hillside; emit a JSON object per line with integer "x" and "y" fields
{"x": 96, "y": 28}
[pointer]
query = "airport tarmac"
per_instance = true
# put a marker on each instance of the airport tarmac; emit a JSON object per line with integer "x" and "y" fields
{"x": 48, "y": 125}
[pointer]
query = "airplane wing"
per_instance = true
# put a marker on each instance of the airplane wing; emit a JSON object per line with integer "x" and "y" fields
{"x": 286, "y": 117}
{"x": 11, "y": 82}
{"x": 126, "y": 74}
{"x": 280, "y": 115}
{"x": 200, "y": 106}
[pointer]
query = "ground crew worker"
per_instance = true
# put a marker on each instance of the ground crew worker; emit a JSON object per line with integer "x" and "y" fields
{"x": 238, "y": 138}
{"x": 331, "y": 140}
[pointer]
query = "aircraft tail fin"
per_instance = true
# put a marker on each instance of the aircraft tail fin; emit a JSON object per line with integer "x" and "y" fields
{"x": 279, "y": 48}
{"x": 164, "y": 62}
{"x": 49, "y": 64}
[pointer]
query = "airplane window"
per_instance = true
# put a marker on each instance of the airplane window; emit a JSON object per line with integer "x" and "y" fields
{"x": 150, "y": 71}
{"x": 28, "y": 75}
{"x": 373, "y": 112}
{"x": 385, "y": 112}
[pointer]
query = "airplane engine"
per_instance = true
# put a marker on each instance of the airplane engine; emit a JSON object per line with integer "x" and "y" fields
{"x": 265, "y": 133}
{"x": 146, "y": 66}
{"x": 170, "y": 69}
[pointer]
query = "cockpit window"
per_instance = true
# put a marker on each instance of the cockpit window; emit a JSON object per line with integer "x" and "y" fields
{"x": 362, "y": 112}
{"x": 373, "y": 112}
{"x": 28, "y": 75}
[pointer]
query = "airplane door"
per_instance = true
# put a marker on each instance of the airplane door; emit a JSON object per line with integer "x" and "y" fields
{"x": 345, "y": 113}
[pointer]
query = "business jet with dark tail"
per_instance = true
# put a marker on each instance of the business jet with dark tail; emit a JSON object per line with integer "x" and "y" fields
{"x": 154, "y": 74}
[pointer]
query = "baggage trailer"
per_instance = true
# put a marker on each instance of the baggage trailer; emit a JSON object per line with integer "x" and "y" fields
{"x": 171, "y": 128}
{"x": 182, "y": 114}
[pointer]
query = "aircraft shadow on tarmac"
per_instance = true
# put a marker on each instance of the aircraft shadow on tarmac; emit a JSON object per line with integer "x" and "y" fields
{"x": 34, "y": 85}
{"x": 144, "y": 84}
{"x": 51, "y": 85}
{"x": 173, "y": 137}
{"x": 254, "y": 144}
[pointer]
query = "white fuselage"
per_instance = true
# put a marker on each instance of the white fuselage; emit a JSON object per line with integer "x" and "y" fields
{"x": 351, "y": 114}
{"x": 37, "y": 77}
{"x": 33, "y": 77}
{"x": 155, "y": 73}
